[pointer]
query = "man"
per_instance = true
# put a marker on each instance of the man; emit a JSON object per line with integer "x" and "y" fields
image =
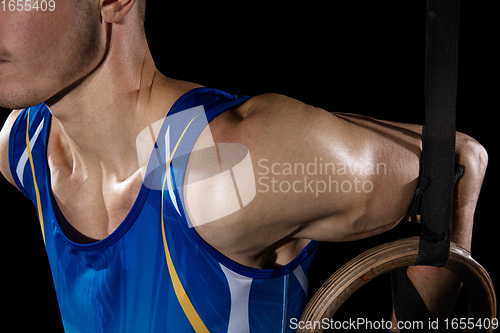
{"x": 127, "y": 258}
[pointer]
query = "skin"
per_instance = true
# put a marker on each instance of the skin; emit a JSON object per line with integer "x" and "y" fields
{"x": 99, "y": 109}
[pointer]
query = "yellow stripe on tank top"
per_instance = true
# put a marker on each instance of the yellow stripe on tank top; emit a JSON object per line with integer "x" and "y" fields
{"x": 37, "y": 192}
{"x": 183, "y": 298}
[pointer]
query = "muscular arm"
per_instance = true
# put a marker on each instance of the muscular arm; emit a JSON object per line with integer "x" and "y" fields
{"x": 325, "y": 176}
{"x": 362, "y": 184}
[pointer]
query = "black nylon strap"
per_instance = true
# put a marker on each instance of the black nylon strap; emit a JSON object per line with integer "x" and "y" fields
{"x": 434, "y": 197}
{"x": 407, "y": 302}
{"x": 438, "y": 139}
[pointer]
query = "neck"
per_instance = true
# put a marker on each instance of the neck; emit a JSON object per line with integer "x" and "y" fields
{"x": 99, "y": 119}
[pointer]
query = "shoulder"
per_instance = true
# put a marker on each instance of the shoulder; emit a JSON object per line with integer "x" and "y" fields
{"x": 267, "y": 116}
{"x": 4, "y": 145}
{"x": 275, "y": 105}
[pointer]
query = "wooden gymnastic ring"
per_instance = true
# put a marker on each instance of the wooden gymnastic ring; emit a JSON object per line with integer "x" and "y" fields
{"x": 387, "y": 257}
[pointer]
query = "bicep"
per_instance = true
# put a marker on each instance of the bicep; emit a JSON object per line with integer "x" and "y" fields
{"x": 389, "y": 171}
{"x": 4, "y": 146}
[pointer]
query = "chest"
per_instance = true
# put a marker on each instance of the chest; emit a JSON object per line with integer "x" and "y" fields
{"x": 91, "y": 210}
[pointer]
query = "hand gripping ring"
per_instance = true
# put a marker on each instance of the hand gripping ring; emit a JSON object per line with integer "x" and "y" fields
{"x": 387, "y": 257}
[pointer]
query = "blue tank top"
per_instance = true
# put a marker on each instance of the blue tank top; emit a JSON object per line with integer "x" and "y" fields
{"x": 154, "y": 273}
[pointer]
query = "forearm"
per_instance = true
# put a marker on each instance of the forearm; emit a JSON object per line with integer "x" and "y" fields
{"x": 440, "y": 294}
{"x": 474, "y": 158}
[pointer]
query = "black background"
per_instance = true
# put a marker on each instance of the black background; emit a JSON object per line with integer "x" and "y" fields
{"x": 349, "y": 56}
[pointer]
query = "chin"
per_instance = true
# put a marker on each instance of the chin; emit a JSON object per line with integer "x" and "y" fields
{"x": 18, "y": 104}
{"x": 21, "y": 98}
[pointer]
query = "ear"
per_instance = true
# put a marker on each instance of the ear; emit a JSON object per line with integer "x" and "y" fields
{"x": 113, "y": 11}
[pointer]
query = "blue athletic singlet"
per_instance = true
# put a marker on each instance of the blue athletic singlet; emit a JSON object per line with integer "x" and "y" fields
{"x": 154, "y": 273}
